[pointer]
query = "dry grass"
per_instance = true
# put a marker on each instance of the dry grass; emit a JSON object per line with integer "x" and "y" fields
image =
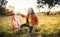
{"x": 47, "y": 25}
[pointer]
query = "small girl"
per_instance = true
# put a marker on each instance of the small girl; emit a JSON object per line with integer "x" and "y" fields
{"x": 15, "y": 22}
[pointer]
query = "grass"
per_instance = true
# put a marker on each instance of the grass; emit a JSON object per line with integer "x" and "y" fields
{"x": 49, "y": 26}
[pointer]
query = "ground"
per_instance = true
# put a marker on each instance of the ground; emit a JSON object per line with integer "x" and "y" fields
{"x": 48, "y": 26}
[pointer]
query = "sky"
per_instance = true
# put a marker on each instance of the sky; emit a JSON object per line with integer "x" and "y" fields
{"x": 23, "y": 5}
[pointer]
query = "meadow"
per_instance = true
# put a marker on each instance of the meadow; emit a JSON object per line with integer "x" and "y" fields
{"x": 49, "y": 26}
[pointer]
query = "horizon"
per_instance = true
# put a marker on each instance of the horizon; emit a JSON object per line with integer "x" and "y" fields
{"x": 23, "y": 5}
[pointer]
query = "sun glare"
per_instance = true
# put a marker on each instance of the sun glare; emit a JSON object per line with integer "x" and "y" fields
{"x": 22, "y": 6}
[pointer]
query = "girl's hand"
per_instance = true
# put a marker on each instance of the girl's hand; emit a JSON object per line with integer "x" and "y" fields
{"x": 35, "y": 25}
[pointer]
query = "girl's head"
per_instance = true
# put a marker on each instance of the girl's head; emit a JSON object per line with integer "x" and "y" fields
{"x": 30, "y": 11}
{"x": 15, "y": 13}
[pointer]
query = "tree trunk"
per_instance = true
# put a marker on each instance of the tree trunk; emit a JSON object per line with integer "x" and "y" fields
{"x": 48, "y": 13}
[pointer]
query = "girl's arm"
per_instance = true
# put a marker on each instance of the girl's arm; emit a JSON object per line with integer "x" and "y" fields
{"x": 23, "y": 16}
{"x": 36, "y": 20}
{"x": 13, "y": 27}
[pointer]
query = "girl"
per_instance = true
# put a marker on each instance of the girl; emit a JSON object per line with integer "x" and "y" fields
{"x": 15, "y": 22}
{"x": 31, "y": 20}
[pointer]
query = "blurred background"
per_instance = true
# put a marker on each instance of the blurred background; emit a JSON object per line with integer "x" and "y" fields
{"x": 47, "y": 11}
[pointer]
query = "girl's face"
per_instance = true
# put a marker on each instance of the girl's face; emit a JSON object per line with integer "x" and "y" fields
{"x": 29, "y": 10}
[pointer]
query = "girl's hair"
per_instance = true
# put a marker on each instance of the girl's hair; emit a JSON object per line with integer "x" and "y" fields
{"x": 31, "y": 14}
{"x": 32, "y": 11}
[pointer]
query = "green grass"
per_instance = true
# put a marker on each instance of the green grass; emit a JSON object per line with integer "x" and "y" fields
{"x": 48, "y": 26}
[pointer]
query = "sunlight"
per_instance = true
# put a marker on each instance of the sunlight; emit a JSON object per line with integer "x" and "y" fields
{"x": 22, "y": 5}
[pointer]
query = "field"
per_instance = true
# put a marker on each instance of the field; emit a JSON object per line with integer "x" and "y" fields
{"x": 49, "y": 26}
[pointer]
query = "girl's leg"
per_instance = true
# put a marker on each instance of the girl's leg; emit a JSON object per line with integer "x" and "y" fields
{"x": 30, "y": 29}
{"x": 23, "y": 25}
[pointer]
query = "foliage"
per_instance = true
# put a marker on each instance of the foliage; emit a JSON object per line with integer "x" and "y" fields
{"x": 50, "y": 3}
{"x": 2, "y": 6}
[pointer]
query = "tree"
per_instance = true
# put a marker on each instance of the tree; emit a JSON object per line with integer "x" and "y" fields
{"x": 2, "y": 6}
{"x": 51, "y": 3}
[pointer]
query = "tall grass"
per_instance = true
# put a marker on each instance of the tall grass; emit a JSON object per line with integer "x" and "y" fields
{"x": 49, "y": 26}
